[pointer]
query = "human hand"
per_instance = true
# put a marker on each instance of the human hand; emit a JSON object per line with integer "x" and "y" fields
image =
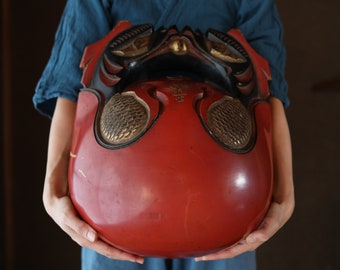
{"x": 64, "y": 214}
{"x": 278, "y": 214}
{"x": 283, "y": 201}
{"x": 55, "y": 195}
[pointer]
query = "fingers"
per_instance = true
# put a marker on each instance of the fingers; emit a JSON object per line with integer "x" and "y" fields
{"x": 70, "y": 222}
{"x": 270, "y": 225}
{"x": 274, "y": 220}
{"x": 228, "y": 253}
{"x": 110, "y": 252}
{"x": 83, "y": 234}
{"x": 103, "y": 248}
{"x": 231, "y": 252}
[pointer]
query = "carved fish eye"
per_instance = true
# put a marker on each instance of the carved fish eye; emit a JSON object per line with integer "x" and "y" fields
{"x": 218, "y": 46}
{"x": 135, "y": 47}
{"x": 133, "y": 42}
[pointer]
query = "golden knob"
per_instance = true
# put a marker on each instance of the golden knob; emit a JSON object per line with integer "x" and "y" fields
{"x": 178, "y": 46}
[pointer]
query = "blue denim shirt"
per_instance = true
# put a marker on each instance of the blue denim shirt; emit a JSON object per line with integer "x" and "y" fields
{"x": 86, "y": 21}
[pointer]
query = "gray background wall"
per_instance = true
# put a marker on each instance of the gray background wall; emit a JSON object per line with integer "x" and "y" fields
{"x": 311, "y": 238}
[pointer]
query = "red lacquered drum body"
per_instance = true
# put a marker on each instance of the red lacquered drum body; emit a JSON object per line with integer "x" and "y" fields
{"x": 189, "y": 170}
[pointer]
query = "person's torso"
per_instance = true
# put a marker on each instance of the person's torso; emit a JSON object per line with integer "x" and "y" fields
{"x": 198, "y": 14}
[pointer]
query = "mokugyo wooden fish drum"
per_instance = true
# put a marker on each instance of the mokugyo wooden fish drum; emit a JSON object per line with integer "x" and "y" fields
{"x": 171, "y": 153}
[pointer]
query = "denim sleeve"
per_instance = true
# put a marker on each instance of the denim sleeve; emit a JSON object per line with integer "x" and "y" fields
{"x": 261, "y": 25}
{"x": 83, "y": 22}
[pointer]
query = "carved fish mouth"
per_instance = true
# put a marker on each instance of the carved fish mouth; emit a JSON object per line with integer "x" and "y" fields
{"x": 140, "y": 54}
